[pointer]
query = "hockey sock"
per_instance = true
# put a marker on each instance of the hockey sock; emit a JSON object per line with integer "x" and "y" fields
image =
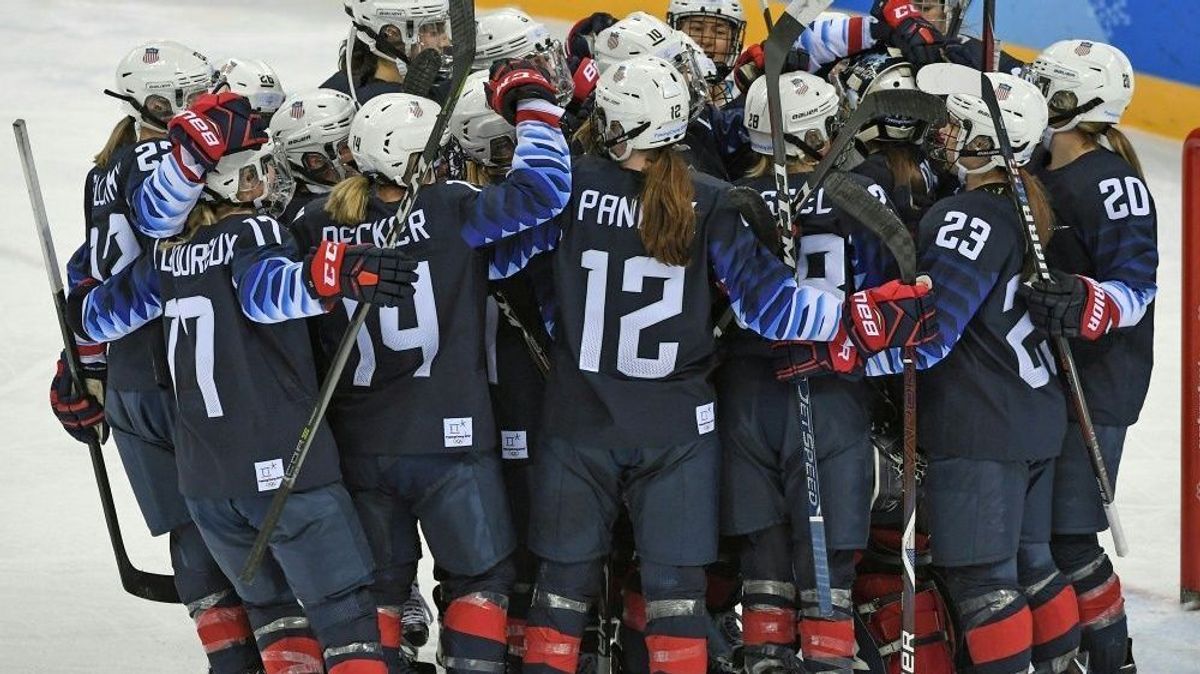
{"x": 347, "y": 626}
{"x": 769, "y": 620}
{"x": 829, "y": 644}
{"x": 285, "y": 641}
{"x": 391, "y": 634}
{"x": 475, "y": 626}
{"x": 1053, "y": 607}
{"x": 558, "y": 615}
{"x": 635, "y": 659}
{"x": 518, "y": 614}
{"x": 1101, "y": 602}
{"x": 676, "y": 620}
{"x": 995, "y": 615}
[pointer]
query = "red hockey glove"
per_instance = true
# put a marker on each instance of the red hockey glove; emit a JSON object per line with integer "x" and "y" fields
{"x": 901, "y": 24}
{"x": 800, "y": 360}
{"x": 517, "y": 80}
{"x": 214, "y": 126}
{"x": 585, "y": 77}
{"x": 891, "y": 316}
{"x": 1070, "y": 306}
{"x": 382, "y": 276}
{"x": 752, "y": 62}
{"x": 81, "y": 413}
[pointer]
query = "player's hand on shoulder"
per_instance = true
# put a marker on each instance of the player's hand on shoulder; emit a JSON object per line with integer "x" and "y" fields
{"x": 514, "y": 80}
{"x": 893, "y": 315}
{"x": 213, "y": 126}
{"x": 900, "y": 24}
{"x": 1070, "y": 306}
{"x": 382, "y": 276}
{"x": 81, "y": 413}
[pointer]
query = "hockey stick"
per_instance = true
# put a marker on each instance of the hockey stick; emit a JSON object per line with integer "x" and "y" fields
{"x": 766, "y": 10}
{"x": 536, "y": 353}
{"x": 990, "y": 60}
{"x": 152, "y": 586}
{"x": 1066, "y": 361}
{"x": 462, "y": 23}
{"x": 422, "y": 72}
{"x": 778, "y": 44}
{"x": 860, "y": 205}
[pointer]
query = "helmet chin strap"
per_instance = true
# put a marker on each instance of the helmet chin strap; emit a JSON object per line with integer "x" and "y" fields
{"x": 144, "y": 117}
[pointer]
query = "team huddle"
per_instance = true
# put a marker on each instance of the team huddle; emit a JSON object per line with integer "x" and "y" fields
{"x": 599, "y": 367}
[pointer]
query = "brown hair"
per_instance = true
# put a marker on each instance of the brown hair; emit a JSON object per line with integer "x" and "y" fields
{"x": 905, "y": 167}
{"x": 1117, "y": 140}
{"x": 347, "y": 203}
{"x": 124, "y": 133}
{"x": 668, "y": 217}
{"x": 1039, "y": 204}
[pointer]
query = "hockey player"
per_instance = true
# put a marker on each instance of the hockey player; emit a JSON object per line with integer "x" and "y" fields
{"x": 510, "y": 33}
{"x": 763, "y": 481}
{"x": 136, "y": 402}
{"x": 314, "y": 132}
{"x": 718, "y": 27}
{"x": 433, "y": 459}
{"x": 629, "y": 415}
{"x": 254, "y": 79}
{"x": 890, "y": 146}
{"x": 992, "y": 418}
{"x": 228, "y": 288}
{"x": 1104, "y": 257}
{"x": 384, "y": 37}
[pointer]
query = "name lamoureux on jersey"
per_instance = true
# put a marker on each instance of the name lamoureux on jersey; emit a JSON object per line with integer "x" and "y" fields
{"x": 1106, "y": 229}
{"x": 988, "y": 379}
{"x": 633, "y": 336}
{"x": 226, "y": 298}
{"x": 417, "y": 380}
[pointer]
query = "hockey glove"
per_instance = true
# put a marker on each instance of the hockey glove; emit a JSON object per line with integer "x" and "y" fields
{"x": 752, "y": 62}
{"x": 584, "y": 78}
{"x": 516, "y": 80}
{"x": 900, "y": 24}
{"x": 585, "y": 30}
{"x": 892, "y": 315}
{"x": 1070, "y": 306}
{"x": 382, "y": 276}
{"x": 793, "y": 361}
{"x": 80, "y": 413}
{"x": 214, "y": 126}
{"x": 758, "y": 216}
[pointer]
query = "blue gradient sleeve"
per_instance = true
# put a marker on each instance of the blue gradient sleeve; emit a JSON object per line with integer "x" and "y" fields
{"x": 124, "y": 302}
{"x": 536, "y": 190}
{"x": 762, "y": 290}
{"x": 1125, "y": 254}
{"x": 161, "y": 198}
{"x": 832, "y": 37}
{"x": 268, "y": 279}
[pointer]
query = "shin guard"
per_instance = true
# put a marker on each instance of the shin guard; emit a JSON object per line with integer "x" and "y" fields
{"x": 225, "y": 632}
{"x": 286, "y": 643}
{"x": 553, "y": 633}
{"x": 999, "y": 631}
{"x": 475, "y": 633}
{"x": 391, "y": 633}
{"x": 828, "y": 645}
{"x": 1055, "y": 615}
{"x": 768, "y": 624}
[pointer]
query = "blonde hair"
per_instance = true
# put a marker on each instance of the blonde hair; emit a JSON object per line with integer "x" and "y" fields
{"x": 478, "y": 174}
{"x": 585, "y": 136}
{"x": 124, "y": 133}
{"x": 668, "y": 217}
{"x": 347, "y": 203}
{"x": 203, "y": 214}
{"x": 763, "y": 166}
{"x": 1116, "y": 140}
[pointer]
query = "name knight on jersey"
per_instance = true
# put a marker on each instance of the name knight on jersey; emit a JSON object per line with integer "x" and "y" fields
{"x": 376, "y": 233}
{"x": 191, "y": 259}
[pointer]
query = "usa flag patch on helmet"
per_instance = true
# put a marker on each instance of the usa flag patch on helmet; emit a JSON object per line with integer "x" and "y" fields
{"x": 297, "y": 110}
{"x": 150, "y": 55}
{"x": 1002, "y": 91}
{"x": 1084, "y": 48}
{"x": 414, "y": 108}
{"x": 801, "y": 85}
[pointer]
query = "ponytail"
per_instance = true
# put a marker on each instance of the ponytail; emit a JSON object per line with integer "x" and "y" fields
{"x": 1116, "y": 140}
{"x": 124, "y": 133}
{"x": 668, "y": 218}
{"x": 906, "y": 171}
{"x": 477, "y": 174}
{"x": 585, "y": 137}
{"x": 348, "y": 199}
{"x": 1039, "y": 204}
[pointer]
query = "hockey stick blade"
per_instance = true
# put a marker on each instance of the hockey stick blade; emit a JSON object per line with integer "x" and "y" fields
{"x": 861, "y": 205}
{"x": 462, "y": 25}
{"x": 143, "y": 584}
{"x": 421, "y": 73}
{"x": 1067, "y": 367}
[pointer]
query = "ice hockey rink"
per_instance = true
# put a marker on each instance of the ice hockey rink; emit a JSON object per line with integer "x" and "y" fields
{"x": 61, "y": 606}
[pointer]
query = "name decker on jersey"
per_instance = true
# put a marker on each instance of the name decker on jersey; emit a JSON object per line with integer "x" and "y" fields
{"x": 376, "y": 233}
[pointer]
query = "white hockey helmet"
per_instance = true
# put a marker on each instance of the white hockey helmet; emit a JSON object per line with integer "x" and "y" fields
{"x": 811, "y": 110}
{"x": 1083, "y": 81}
{"x": 1025, "y": 117}
{"x": 313, "y": 128}
{"x": 398, "y": 29}
{"x": 878, "y": 70}
{"x": 510, "y": 33}
{"x": 484, "y": 135}
{"x": 710, "y": 32}
{"x": 641, "y": 34}
{"x": 256, "y": 177}
{"x": 158, "y": 79}
{"x": 254, "y": 79}
{"x": 640, "y": 104}
{"x": 389, "y": 133}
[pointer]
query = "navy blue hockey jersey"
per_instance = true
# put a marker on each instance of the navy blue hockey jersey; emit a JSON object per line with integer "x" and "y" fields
{"x": 243, "y": 372}
{"x": 633, "y": 336}
{"x": 987, "y": 382}
{"x": 1106, "y": 229}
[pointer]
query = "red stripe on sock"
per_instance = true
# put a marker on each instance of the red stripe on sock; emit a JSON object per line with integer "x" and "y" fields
{"x": 677, "y": 655}
{"x": 293, "y": 655}
{"x": 477, "y": 616}
{"x": 822, "y": 639}
{"x": 768, "y": 625}
{"x": 222, "y": 627}
{"x": 1056, "y": 617}
{"x": 391, "y": 634}
{"x": 1101, "y": 604}
{"x": 1001, "y": 639}
{"x": 634, "y": 615}
{"x": 547, "y": 646}
{"x": 359, "y": 666}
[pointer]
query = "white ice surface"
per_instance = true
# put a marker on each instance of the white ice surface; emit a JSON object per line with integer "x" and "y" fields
{"x": 61, "y": 608}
